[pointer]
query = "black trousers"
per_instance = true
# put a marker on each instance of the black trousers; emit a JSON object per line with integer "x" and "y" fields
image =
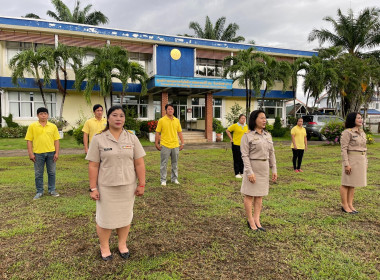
{"x": 297, "y": 158}
{"x": 238, "y": 162}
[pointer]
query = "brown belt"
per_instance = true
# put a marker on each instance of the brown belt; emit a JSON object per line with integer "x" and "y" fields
{"x": 259, "y": 159}
{"x": 356, "y": 152}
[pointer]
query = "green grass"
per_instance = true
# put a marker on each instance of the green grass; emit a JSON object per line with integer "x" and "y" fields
{"x": 196, "y": 230}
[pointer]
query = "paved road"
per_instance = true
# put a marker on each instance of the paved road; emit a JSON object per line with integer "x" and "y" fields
{"x": 200, "y": 146}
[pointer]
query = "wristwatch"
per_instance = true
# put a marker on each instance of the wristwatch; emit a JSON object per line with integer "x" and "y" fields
{"x": 91, "y": 190}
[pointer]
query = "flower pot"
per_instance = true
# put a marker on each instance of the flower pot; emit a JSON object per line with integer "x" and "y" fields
{"x": 60, "y": 134}
{"x": 152, "y": 137}
{"x": 219, "y": 137}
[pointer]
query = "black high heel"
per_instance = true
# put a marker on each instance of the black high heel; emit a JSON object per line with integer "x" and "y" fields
{"x": 108, "y": 258}
{"x": 249, "y": 226}
{"x": 260, "y": 228}
{"x": 344, "y": 211}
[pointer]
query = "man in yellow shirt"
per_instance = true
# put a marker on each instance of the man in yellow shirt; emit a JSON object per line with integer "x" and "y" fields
{"x": 170, "y": 129}
{"x": 93, "y": 126}
{"x": 299, "y": 144}
{"x": 42, "y": 140}
{"x": 238, "y": 129}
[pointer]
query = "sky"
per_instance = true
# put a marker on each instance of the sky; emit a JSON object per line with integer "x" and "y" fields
{"x": 270, "y": 23}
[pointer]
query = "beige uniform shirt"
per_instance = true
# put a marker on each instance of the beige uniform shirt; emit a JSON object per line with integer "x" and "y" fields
{"x": 352, "y": 139}
{"x": 116, "y": 158}
{"x": 256, "y": 146}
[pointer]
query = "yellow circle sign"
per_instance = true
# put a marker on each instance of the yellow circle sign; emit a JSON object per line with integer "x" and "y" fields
{"x": 175, "y": 54}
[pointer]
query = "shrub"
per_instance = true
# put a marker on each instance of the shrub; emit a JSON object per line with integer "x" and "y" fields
{"x": 292, "y": 121}
{"x": 13, "y": 132}
{"x": 332, "y": 130}
{"x": 60, "y": 123}
{"x": 144, "y": 126}
{"x": 152, "y": 125}
{"x": 370, "y": 139}
{"x": 233, "y": 116}
{"x": 78, "y": 134}
{"x": 278, "y": 130}
{"x": 269, "y": 128}
{"x": 10, "y": 122}
{"x": 217, "y": 126}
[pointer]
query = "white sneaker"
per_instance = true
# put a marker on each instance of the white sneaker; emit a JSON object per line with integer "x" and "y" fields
{"x": 176, "y": 182}
{"x": 238, "y": 176}
{"x": 163, "y": 183}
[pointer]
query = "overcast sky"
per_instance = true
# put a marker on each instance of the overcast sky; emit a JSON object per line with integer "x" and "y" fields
{"x": 270, "y": 23}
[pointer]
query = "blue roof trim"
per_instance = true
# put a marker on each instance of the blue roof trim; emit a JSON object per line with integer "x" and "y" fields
{"x": 241, "y": 93}
{"x": 6, "y": 82}
{"x": 144, "y": 36}
{"x": 189, "y": 82}
{"x": 371, "y": 112}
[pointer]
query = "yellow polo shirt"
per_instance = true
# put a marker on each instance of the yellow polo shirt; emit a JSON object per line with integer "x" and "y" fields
{"x": 43, "y": 137}
{"x": 169, "y": 129}
{"x": 94, "y": 126}
{"x": 238, "y": 132}
{"x": 299, "y": 137}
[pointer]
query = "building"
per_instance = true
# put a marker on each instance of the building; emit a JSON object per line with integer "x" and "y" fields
{"x": 186, "y": 72}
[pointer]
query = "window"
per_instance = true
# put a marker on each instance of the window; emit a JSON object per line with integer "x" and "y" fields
{"x": 142, "y": 58}
{"x": 14, "y": 48}
{"x": 157, "y": 106}
{"x": 272, "y": 108}
{"x": 199, "y": 108}
{"x": 136, "y": 106}
{"x": 209, "y": 67}
{"x": 25, "y": 104}
{"x": 377, "y": 105}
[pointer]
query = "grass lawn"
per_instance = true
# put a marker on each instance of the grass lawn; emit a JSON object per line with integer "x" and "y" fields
{"x": 196, "y": 230}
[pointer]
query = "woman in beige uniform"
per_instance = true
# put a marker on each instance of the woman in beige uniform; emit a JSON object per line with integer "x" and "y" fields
{"x": 116, "y": 161}
{"x": 258, "y": 155}
{"x": 354, "y": 167}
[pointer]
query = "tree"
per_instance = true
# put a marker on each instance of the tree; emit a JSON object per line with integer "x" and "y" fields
{"x": 241, "y": 67}
{"x": 217, "y": 32}
{"x": 64, "y": 57}
{"x": 78, "y": 15}
{"x": 296, "y": 67}
{"x": 35, "y": 63}
{"x": 110, "y": 62}
{"x": 350, "y": 33}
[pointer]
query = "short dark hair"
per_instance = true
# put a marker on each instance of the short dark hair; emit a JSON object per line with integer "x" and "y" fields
{"x": 42, "y": 110}
{"x": 350, "y": 120}
{"x": 96, "y": 107}
{"x": 167, "y": 105}
{"x": 253, "y": 117}
{"x": 241, "y": 115}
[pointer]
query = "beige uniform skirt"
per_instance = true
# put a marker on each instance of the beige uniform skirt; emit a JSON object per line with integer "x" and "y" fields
{"x": 114, "y": 209}
{"x": 358, "y": 176}
{"x": 261, "y": 186}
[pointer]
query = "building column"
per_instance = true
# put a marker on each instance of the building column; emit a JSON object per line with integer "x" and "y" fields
{"x": 209, "y": 117}
{"x": 164, "y": 101}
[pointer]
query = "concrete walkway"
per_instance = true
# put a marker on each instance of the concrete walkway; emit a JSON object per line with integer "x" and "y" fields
{"x": 199, "y": 146}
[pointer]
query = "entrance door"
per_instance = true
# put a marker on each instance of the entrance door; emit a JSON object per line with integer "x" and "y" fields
{"x": 180, "y": 113}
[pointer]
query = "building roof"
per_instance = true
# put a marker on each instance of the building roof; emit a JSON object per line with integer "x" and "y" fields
{"x": 141, "y": 36}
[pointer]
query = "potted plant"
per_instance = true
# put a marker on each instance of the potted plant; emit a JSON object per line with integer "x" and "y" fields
{"x": 152, "y": 125}
{"x": 218, "y": 128}
{"x": 61, "y": 123}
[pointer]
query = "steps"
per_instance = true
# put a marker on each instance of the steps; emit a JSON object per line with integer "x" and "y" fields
{"x": 194, "y": 137}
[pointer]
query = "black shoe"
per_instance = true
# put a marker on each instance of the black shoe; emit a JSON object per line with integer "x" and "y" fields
{"x": 124, "y": 255}
{"x": 249, "y": 226}
{"x": 260, "y": 228}
{"x": 108, "y": 258}
{"x": 353, "y": 212}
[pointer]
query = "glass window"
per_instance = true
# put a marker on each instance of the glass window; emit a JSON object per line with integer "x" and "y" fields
{"x": 25, "y": 104}
{"x": 134, "y": 104}
{"x": 209, "y": 67}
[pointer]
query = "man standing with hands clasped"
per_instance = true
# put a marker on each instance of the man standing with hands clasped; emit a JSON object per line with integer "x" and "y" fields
{"x": 93, "y": 126}
{"x": 170, "y": 129}
{"x": 43, "y": 148}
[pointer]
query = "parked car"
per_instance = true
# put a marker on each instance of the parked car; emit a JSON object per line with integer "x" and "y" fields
{"x": 314, "y": 123}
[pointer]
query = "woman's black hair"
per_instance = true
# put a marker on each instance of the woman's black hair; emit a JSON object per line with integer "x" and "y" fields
{"x": 110, "y": 110}
{"x": 350, "y": 120}
{"x": 241, "y": 115}
{"x": 252, "y": 119}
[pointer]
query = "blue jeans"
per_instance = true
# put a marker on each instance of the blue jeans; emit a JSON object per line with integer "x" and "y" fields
{"x": 39, "y": 165}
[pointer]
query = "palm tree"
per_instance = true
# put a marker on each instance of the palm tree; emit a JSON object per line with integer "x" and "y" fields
{"x": 241, "y": 67}
{"x": 217, "y": 32}
{"x": 35, "y": 63}
{"x": 109, "y": 62}
{"x": 350, "y": 33}
{"x": 64, "y": 57}
{"x": 78, "y": 15}
{"x": 296, "y": 67}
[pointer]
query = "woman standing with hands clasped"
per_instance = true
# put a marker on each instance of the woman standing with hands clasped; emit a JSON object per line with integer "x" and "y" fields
{"x": 238, "y": 129}
{"x": 116, "y": 161}
{"x": 354, "y": 155}
{"x": 258, "y": 155}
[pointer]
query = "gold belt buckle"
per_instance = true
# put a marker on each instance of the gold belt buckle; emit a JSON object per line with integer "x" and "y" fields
{"x": 363, "y": 153}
